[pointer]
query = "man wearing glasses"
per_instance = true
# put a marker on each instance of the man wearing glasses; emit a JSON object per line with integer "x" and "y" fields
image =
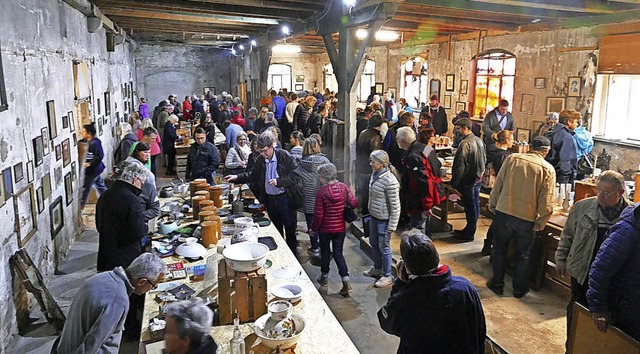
{"x": 97, "y": 314}
{"x": 278, "y": 186}
{"x": 585, "y": 231}
{"x": 203, "y": 158}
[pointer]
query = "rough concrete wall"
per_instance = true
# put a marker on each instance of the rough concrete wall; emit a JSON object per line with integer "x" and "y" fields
{"x": 182, "y": 70}
{"x": 40, "y": 41}
{"x": 308, "y": 65}
{"x": 624, "y": 159}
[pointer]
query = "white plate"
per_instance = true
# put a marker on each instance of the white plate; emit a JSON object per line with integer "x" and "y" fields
{"x": 286, "y": 272}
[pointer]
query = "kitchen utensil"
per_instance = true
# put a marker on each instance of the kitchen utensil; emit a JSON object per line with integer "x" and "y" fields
{"x": 237, "y": 207}
{"x": 279, "y": 310}
{"x": 166, "y": 192}
{"x": 167, "y": 226}
{"x": 246, "y": 235}
{"x": 289, "y": 291}
{"x": 279, "y": 335}
{"x": 245, "y": 256}
{"x": 269, "y": 242}
{"x": 191, "y": 249}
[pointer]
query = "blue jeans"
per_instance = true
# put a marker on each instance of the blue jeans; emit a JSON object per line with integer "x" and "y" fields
{"x": 379, "y": 238}
{"x": 284, "y": 218}
{"x": 471, "y": 204}
{"x": 333, "y": 243}
{"x": 521, "y": 231}
{"x": 90, "y": 181}
{"x": 419, "y": 221}
{"x": 314, "y": 238}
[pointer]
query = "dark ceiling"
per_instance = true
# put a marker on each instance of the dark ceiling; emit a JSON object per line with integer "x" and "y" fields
{"x": 221, "y": 23}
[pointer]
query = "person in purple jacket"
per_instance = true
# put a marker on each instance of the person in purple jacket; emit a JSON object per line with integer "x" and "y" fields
{"x": 93, "y": 165}
{"x": 143, "y": 109}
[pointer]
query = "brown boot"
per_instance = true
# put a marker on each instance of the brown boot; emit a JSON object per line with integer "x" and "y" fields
{"x": 346, "y": 288}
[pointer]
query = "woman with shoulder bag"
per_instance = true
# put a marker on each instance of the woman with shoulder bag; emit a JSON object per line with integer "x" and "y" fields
{"x": 238, "y": 156}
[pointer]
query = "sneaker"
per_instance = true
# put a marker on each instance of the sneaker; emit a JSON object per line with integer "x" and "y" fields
{"x": 323, "y": 280}
{"x": 384, "y": 282}
{"x": 497, "y": 289}
{"x": 313, "y": 252}
{"x": 373, "y": 273}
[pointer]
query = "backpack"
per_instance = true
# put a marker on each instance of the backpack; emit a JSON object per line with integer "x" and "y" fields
{"x": 489, "y": 176}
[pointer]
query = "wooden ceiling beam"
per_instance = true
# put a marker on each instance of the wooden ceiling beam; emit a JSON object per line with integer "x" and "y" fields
{"x": 469, "y": 24}
{"x": 188, "y": 18}
{"x": 582, "y": 6}
{"x": 270, "y": 4}
{"x": 457, "y": 14}
{"x": 173, "y": 27}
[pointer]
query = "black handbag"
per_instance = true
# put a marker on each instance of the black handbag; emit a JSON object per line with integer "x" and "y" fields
{"x": 349, "y": 214}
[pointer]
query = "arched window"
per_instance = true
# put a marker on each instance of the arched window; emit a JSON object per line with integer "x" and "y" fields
{"x": 279, "y": 77}
{"x": 367, "y": 80}
{"x": 414, "y": 82}
{"x": 330, "y": 81}
{"x": 495, "y": 77}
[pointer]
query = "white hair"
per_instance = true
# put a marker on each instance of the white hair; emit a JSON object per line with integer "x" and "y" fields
{"x": 193, "y": 319}
{"x": 146, "y": 265}
{"x": 131, "y": 171}
{"x": 173, "y": 118}
{"x": 125, "y": 128}
{"x": 406, "y": 134}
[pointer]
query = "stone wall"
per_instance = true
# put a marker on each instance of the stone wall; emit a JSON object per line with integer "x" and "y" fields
{"x": 40, "y": 41}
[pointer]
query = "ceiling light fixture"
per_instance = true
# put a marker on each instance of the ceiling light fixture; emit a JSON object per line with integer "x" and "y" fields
{"x": 241, "y": 47}
{"x": 536, "y": 20}
{"x": 286, "y": 49}
{"x": 254, "y": 43}
{"x": 233, "y": 51}
{"x": 285, "y": 29}
{"x": 382, "y": 35}
{"x": 349, "y": 2}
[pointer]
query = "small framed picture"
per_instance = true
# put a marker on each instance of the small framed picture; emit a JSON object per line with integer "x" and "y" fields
{"x": 464, "y": 87}
{"x": 539, "y": 82}
{"x": 461, "y": 106}
{"x": 434, "y": 87}
{"x": 380, "y": 87}
{"x": 446, "y": 103}
{"x": 107, "y": 103}
{"x": 74, "y": 174}
{"x": 58, "y": 152}
{"x": 299, "y": 78}
{"x": 299, "y": 87}
{"x": 526, "y": 106}
{"x": 44, "y": 132}
{"x": 30, "y": 172}
{"x": 99, "y": 126}
{"x": 25, "y": 214}
{"x": 392, "y": 91}
{"x": 98, "y": 105}
{"x": 66, "y": 152}
{"x": 555, "y": 104}
{"x": 46, "y": 186}
{"x": 72, "y": 122}
{"x": 40, "y": 199}
{"x": 68, "y": 188}
{"x": 450, "y": 83}
{"x": 75, "y": 140}
{"x": 523, "y": 135}
{"x": 18, "y": 172}
{"x": 7, "y": 182}
{"x": 51, "y": 116}
{"x": 575, "y": 84}
{"x": 65, "y": 122}
{"x": 56, "y": 212}
{"x": 38, "y": 150}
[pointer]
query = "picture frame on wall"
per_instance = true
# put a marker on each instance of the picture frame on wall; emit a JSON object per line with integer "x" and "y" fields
{"x": 3, "y": 196}
{"x": 72, "y": 122}
{"x": 46, "y": 186}
{"x": 51, "y": 118}
{"x": 65, "y": 122}
{"x": 555, "y": 104}
{"x": 523, "y": 135}
{"x": 99, "y": 106}
{"x": 299, "y": 78}
{"x": 380, "y": 88}
{"x": 99, "y": 126}
{"x": 464, "y": 87}
{"x": 57, "y": 174}
{"x": 68, "y": 188}
{"x": 74, "y": 174}
{"x": 539, "y": 82}
{"x": 450, "y": 83}
{"x": 434, "y": 87}
{"x": 40, "y": 199}
{"x": 446, "y": 103}
{"x": 25, "y": 214}
{"x": 58, "y": 152}
{"x": 461, "y": 106}
{"x": 30, "y": 171}
{"x": 4, "y": 103}
{"x": 7, "y": 182}
{"x": 44, "y": 132}
{"x": 393, "y": 91}
{"x": 38, "y": 150}
{"x": 574, "y": 86}
{"x": 298, "y": 87}
{"x": 75, "y": 140}
{"x": 66, "y": 152}
{"x": 526, "y": 106}
{"x": 18, "y": 172}
{"x": 107, "y": 103}
{"x": 56, "y": 220}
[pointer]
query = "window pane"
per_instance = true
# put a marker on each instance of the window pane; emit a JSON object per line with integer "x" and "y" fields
{"x": 510, "y": 66}
{"x": 633, "y": 124}
{"x": 507, "y": 89}
{"x": 483, "y": 67}
{"x": 495, "y": 67}
{"x": 481, "y": 96}
{"x": 493, "y": 94}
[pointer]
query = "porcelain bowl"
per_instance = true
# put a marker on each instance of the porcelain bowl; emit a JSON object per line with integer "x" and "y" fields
{"x": 290, "y": 292}
{"x": 191, "y": 249}
{"x": 265, "y": 324}
{"x": 245, "y": 256}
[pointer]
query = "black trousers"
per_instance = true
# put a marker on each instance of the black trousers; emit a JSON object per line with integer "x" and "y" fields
{"x": 284, "y": 218}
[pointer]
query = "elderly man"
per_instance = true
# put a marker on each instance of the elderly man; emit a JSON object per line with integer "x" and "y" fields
{"x": 149, "y": 194}
{"x": 585, "y": 231}
{"x": 614, "y": 280}
{"x": 188, "y": 328}
{"x": 203, "y": 158}
{"x": 468, "y": 167}
{"x": 278, "y": 185}
{"x": 389, "y": 144}
{"x": 522, "y": 201}
{"x": 546, "y": 129}
{"x": 563, "y": 155}
{"x": 421, "y": 185}
{"x": 498, "y": 119}
{"x": 431, "y": 310}
{"x": 96, "y": 317}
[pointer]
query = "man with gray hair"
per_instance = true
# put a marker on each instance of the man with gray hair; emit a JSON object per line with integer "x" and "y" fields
{"x": 189, "y": 327}
{"x": 97, "y": 314}
{"x": 431, "y": 310}
{"x": 277, "y": 184}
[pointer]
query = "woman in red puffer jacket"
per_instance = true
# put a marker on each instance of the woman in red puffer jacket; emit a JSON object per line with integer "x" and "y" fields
{"x": 328, "y": 221}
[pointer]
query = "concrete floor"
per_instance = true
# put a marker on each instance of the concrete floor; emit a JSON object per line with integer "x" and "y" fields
{"x": 537, "y": 320}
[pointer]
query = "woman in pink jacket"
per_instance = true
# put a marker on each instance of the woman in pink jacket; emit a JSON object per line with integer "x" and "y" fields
{"x": 328, "y": 221}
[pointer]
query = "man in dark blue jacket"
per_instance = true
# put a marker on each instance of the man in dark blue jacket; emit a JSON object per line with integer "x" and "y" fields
{"x": 563, "y": 155}
{"x": 431, "y": 310}
{"x": 197, "y": 108}
{"x": 203, "y": 158}
{"x": 614, "y": 279}
{"x": 93, "y": 165}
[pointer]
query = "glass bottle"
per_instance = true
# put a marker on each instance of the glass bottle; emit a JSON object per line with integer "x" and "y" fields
{"x": 237, "y": 342}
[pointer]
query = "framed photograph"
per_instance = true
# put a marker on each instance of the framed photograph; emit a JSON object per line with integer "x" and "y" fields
{"x": 299, "y": 78}
{"x": 555, "y": 104}
{"x": 434, "y": 87}
{"x": 58, "y": 152}
{"x": 25, "y": 214}
{"x": 393, "y": 91}
{"x": 74, "y": 174}
{"x": 461, "y": 106}
{"x": 40, "y": 199}
{"x": 75, "y": 140}
{"x": 51, "y": 116}
{"x": 107, "y": 103}
{"x": 57, "y": 174}
{"x": 380, "y": 88}
{"x": 56, "y": 213}
{"x": 7, "y": 182}
{"x": 38, "y": 150}
{"x": 464, "y": 87}
{"x": 30, "y": 172}
{"x": 575, "y": 84}
{"x": 299, "y": 87}
{"x": 207, "y": 89}
{"x": 4, "y": 103}
{"x": 99, "y": 126}
{"x": 44, "y": 132}
{"x": 68, "y": 188}
{"x": 65, "y": 122}
{"x": 451, "y": 82}
{"x": 72, "y": 122}
{"x": 539, "y": 82}
{"x": 526, "y": 106}
{"x": 99, "y": 106}
{"x": 66, "y": 152}
{"x": 523, "y": 135}
{"x": 46, "y": 186}
{"x": 446, "y": 103}
{"x": 3, "y": 196}
{"x": 18, "y": 172}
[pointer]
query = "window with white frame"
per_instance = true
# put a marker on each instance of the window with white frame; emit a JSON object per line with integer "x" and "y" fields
{"x": 495, "y": 77}
{"x": 279, "y": 77}
{"x": 614, "y": 116}
{"x": 367, "y": 80}
{"x": 414, "y": 82}
{"x": 330, "y": 81}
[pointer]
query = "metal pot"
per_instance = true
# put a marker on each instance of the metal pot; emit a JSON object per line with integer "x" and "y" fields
{"x": 179, "y": 186}
{"x": 166, "y": 192}
{"x": 167, "y": 227}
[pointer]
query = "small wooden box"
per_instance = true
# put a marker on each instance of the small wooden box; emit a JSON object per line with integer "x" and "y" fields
{"x": 245, "y": 292}
{"x": 584, "y": 190}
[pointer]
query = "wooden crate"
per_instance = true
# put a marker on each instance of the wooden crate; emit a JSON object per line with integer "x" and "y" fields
{"x": 244, "y": 292}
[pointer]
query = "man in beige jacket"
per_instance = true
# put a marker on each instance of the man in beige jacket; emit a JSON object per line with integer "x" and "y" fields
{"x": 521, "y": 200}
